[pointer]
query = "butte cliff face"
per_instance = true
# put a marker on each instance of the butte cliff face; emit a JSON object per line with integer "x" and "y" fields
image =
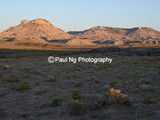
{"x": 36, "y": 29}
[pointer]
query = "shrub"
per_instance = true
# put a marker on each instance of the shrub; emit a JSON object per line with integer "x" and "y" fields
{"x": 57, "y": 101}
{"x": 11, "y": 78}
{"x": 75, "y": 94}
{"x": 115, "y": 96}
{"x": 6, "y": 67}
{"x": 23, "y": 86}
{"x": 77, "y": 108}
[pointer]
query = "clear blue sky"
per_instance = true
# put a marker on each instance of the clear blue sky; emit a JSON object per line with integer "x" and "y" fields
{"x": 72, "y": 15}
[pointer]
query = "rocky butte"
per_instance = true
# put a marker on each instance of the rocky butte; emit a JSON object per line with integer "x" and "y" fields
{"x": 35, "y": 29}
{"x": 42, "y": 31}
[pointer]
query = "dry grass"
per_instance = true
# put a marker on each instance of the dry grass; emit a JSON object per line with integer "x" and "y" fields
{"x": 115, "y": 96}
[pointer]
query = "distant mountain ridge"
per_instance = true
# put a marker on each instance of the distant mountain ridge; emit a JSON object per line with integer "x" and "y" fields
{"x": 102, "y": 33}
{"x": 42, "y": 31}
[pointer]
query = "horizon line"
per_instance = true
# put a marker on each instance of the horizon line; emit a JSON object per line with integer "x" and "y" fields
{"x": 120, "y": 27}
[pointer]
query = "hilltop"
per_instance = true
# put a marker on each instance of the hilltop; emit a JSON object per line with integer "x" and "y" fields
{"x": 42, "y": 33}
{"x": 34, "y": 29}
{"x": 102, "y": 34}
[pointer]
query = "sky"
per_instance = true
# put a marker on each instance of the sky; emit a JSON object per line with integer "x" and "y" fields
{"x": 77, "y": 15}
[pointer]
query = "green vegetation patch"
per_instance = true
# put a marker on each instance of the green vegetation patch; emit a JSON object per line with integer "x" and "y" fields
{"x": 75, "y": 94}
{"x": 23, "y": 86}
{"x": 57, "y": 101}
